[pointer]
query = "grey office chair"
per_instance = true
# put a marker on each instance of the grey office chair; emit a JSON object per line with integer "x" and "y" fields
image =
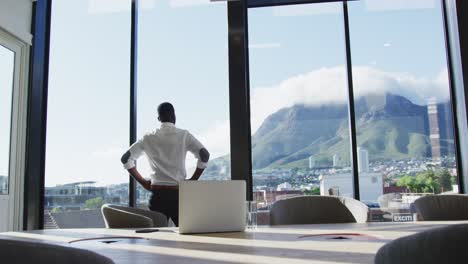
{"x": 27, "y": 252}
{"x": 441, "y": 245}
{"x": 442, "y": 207}
{"x": 116, "y": 216}
{"x": 318, "y": 210}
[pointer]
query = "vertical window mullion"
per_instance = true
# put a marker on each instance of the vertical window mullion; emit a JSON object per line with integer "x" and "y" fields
{"x": 453, "y": 100}
{"x": 33, "y": 217}
{"x": 239, "y": 99}
{"x": 352, "y": 116}
{"x": 133, "y": 92}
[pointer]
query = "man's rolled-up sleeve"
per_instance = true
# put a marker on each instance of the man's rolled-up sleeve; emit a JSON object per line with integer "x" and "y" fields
{"x": 195, "y": 146}
{"x": 134, "y": 152}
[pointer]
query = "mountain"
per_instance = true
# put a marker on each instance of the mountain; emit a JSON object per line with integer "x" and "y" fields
{"x": 293, "y": 133}
{"x": 388, "y": 126}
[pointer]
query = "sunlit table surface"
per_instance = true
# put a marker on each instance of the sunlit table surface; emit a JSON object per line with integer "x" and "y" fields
{"x": 321, "y": 243}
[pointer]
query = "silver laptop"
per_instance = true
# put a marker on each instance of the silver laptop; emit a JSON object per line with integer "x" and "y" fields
{"x": 211, "y": 206}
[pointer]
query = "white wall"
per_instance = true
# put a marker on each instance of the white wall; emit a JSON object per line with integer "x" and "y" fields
{"x": 15, "y": 18}
{"x": 370, "y": 185}
{"x": 342, "y": 181}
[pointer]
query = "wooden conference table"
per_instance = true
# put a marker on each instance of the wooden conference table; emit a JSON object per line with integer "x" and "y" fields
{"x": 330, "y": 243}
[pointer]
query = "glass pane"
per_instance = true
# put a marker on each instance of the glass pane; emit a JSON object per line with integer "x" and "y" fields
{"x": 88, "y": 111}
{"x": 183, "y": 59}
{"x": 403, "y": 106}
{"x": 299, "y": 110}
{"x": 7, "y": 66}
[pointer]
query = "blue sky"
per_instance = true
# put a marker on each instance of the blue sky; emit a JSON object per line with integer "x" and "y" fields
{"x": 183, "y": 59}
{"x": 414, "y": 38}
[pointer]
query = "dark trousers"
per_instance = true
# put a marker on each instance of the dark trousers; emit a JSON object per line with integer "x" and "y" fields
{"x": 166, "y": 202}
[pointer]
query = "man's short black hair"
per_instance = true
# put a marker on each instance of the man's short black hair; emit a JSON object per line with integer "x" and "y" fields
{"x": 166, "y": 112}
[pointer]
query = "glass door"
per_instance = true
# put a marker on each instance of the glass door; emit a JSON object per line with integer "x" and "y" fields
{"x": 13, "y": 84}
{"x": 7, "y": 65}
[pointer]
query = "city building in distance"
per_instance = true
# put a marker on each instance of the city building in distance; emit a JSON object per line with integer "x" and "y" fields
{"x": 434, "y": 134}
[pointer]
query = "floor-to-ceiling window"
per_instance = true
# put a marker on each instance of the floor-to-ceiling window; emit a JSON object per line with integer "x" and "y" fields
{"x": 298, "y": 100}
{"x": 183, "y": 59}
{"x": 402, "y": 105}
{"x": 88, "y": 111}
{"x": 403, "y": 114}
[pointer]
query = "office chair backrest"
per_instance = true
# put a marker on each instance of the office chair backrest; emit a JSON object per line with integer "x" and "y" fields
{"x": 116, "y": 216}
{"x": 317, "y": 210}
{"x": 27, "y": 252}
{"x": 442, "y": 207}
{"x": 434, "y": 246}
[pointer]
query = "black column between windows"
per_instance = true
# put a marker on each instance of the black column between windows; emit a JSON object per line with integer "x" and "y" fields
{"x": 456, "y": 42}
{"x": 462, "y": 7}
{"x": 132, "y": 190}
{"x": 35, "y": 150}
{"x": 352, "y": 116}
{"x": 239, "y": 94}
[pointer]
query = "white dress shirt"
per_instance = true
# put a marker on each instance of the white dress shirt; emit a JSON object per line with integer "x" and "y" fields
{"x": 166, "y": 149}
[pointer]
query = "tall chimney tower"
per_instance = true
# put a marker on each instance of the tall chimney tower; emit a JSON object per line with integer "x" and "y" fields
{"x": 433, "y": 128}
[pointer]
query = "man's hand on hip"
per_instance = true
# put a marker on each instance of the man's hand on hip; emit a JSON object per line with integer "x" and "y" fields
{"x": 147, "y": 185}
{"x": 137, "y": 176}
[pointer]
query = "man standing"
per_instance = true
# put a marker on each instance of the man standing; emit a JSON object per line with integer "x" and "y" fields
{"x": 166, "y": 149}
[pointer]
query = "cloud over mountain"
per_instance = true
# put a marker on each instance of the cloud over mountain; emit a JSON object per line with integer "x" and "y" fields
{"x": 328, "y": 86}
